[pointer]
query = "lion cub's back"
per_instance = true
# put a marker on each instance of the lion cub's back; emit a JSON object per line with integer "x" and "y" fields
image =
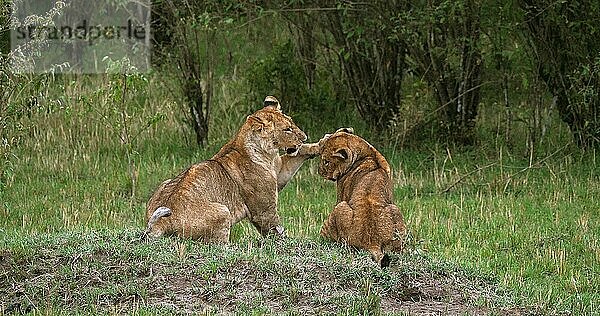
{"x": 377, "y": 219}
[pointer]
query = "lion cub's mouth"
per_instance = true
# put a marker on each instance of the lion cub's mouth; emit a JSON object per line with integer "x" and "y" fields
{"x": 292, "y": 151}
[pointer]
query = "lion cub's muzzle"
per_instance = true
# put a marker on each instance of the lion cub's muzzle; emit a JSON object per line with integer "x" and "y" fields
{"x": 294, "y": 149}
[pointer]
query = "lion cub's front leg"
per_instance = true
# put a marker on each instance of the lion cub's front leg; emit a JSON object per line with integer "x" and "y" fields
{"x": 291, "y": 163}
{"x": 268, "y": 225}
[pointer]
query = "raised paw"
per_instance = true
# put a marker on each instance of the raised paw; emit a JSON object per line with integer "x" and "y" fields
{"x": 310, "y": 150}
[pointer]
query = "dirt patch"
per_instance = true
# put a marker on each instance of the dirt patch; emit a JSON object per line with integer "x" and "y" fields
{"x": 433, "y": 296}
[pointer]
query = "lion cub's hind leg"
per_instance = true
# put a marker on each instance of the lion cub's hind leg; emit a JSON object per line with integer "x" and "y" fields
{"x": 221, "y": 224}
{"x": 340, "y": 227}
{"x": 395, "y": 242}
{"x": 335, "y": 226}
{"x": 211, "y": 223}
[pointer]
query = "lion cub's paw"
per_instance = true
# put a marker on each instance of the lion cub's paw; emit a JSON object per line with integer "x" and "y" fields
{"x": 322, "y": 141}
{"x": 310, "y": 150}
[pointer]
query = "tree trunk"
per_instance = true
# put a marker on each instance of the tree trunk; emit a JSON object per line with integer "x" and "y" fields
{"x": 373, "y": 65}
{"x": 456, "y": 85}
{"x": 302, "y": 27}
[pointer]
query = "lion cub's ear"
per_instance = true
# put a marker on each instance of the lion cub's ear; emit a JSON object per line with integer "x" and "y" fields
{"x": 272, "y": 101}
{"x": 343, "y": 153}
{"x": 348, "y": 130}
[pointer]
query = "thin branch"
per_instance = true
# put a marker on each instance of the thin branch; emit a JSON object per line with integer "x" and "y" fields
{"x": 533, "y": 165}
{"x": 467, "y": 175}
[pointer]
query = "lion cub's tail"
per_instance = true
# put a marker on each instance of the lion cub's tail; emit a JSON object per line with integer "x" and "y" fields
{"x": 380, "y": 257}
{"x": 158, "y": 214}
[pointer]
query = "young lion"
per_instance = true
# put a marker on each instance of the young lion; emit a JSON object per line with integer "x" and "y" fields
{"x": 365, "y": 216}
{"x": 240, "y": 181}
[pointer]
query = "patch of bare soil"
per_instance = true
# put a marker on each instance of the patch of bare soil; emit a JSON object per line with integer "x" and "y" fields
{"x": 431, "y": 295}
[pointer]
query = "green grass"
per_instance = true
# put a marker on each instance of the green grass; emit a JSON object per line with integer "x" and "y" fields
{"x": 540, "y": 239}
{"x": 526, "y": 225}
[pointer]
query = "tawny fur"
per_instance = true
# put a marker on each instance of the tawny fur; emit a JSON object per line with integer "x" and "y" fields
{"x": 364, "y": 216}
{"x": 241, "y": 181}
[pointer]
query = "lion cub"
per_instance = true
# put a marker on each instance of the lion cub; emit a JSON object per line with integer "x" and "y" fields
{"x": 241, "y": 181}
{"x": 365, "y": 216}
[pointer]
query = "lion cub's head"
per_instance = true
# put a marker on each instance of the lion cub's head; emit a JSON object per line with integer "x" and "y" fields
{"x": 337, "y": 154}
{"x": 274, "y": 130}
{"x": 341, "y": 150}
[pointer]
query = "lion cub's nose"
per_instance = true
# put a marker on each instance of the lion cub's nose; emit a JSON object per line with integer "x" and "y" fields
{"x": 303, "y": 136}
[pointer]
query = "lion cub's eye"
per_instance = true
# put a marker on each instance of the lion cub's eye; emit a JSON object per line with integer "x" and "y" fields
{"x": 288, "y": 130}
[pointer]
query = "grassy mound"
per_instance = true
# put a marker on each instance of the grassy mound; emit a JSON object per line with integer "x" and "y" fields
{"x": 113, "y": 271}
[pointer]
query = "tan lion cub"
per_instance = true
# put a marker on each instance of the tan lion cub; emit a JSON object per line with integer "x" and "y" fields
{"x": 365, "y": 216}
{"x": 240, "y": 181}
